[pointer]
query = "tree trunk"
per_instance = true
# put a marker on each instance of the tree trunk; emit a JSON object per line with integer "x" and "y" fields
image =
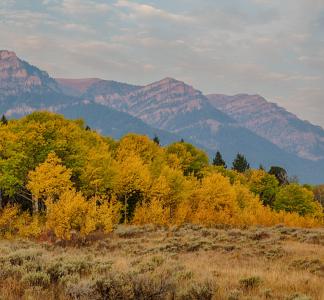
{"x": 125, "y": 210}
{"x": 35, "y": 205}
{"x": 1, "y": 199}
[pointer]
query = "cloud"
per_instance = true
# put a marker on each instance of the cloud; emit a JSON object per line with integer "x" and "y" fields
{"x": 138, "y": 10}
{"x": 269, "y": 47}
{"x": 82, "y": 7}
{"x": 78, "y": 28}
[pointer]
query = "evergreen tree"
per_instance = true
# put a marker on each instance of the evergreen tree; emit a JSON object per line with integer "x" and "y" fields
{"x": 261, "y": 167}
{"x": 218, "y": 160}
{"x": 280, "y": 173}
{"x": 240, "y": 163}
{"x": 4, "y": 120}
{"x": 87, "y": 128}
{"x": 156, "y": 140}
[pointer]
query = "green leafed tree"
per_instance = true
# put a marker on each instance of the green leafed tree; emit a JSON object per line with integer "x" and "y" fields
{"x": 295, "y": 198}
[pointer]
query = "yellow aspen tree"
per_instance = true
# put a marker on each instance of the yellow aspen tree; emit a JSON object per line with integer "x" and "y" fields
{"x": 139, "y": 145}
{"x": 98, "y": 172}
{"x": 132, "y": 178}
{"x": 48, "y": 180}
{"x": 67, "y": 214}
{"x": 216, "y": 201}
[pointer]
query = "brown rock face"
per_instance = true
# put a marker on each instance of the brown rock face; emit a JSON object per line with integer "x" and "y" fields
{"x": 273, "y": 123}
{"x": 17, "y": 76}
{"x": 159, "y": 104}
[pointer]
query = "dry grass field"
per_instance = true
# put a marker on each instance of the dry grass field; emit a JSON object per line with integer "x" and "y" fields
{"x": 189, "y": 262}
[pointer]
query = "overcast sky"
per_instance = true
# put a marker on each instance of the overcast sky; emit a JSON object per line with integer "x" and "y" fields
{"x": 274, "y": 48}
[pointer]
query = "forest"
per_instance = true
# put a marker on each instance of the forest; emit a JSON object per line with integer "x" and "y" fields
{"x": 61, "y": 179}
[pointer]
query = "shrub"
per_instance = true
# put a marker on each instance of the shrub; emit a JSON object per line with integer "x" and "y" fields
{"x": 36, "y": 279}
{"x": 250, "y": 282}
{"x": 203, "y": 290}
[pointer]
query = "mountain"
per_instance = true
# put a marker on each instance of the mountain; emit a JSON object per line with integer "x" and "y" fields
{"x": 75, "y": 87}
{"x": 273, "y": 123}
{"x": 25, "y": 88}
{"x": 174, "y": 106}
{"x": 169, "y": 108}
{"x": 114, "y": 123}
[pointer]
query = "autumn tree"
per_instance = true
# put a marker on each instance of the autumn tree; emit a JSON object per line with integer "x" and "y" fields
{"x": 215, "y": 201}
{"x": 185, "y": 156}
{"x": 240, "y": 163}
{"x": 131, "y": 183}
{"x": 48, "y": 181}
{"x": 139, "y": 145}
{"x": 98, "y": 173}
{"x": 218, "y": 160}
{"x": 72, "y": 212}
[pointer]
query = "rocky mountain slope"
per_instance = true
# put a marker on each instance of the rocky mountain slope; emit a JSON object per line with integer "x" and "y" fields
{"x": 169, "y": 108}
{"x": 24, "y": 89}
{"x": 273, "y": 123}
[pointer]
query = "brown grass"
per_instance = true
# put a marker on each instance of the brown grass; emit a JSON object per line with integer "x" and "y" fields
{"x": 189, "y": 262}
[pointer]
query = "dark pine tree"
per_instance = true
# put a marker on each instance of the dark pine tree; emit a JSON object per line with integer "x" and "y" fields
{"x": 87, "y": 128}
{"x": 4, "y": 120}
{"x": 240, "y": 163}
{"x": 156, "y": 140}
{"x": 218, "y": 160}
{"x": 280, "y": 173}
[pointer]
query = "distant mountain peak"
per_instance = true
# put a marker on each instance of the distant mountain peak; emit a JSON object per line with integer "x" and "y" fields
{"x": 171, "y": 86}
{"x": 17, "y": 78}
{"x": 4, "y": 54}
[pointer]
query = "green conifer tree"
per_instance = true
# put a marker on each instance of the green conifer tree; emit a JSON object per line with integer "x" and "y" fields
{"x": 240, "y": 163}
{"x": 4, "y": 120}
{"x": 156, "y": 140}
{"x": 219, "y": 161}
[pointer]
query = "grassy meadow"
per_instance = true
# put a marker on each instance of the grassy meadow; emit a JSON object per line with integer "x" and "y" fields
{"x": 150, "y": 262}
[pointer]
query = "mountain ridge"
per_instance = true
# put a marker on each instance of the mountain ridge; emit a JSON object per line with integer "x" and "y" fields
{"x": 274, "y": 123}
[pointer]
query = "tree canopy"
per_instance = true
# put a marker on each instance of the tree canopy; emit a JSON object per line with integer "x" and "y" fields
{"x": 57, "y": 175}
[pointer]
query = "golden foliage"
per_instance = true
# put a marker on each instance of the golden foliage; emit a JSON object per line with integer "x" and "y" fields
{"x": 49, "y": 179}
{"x": 85, "y": 182}
{"x": 73, "y": 213}
{"x": 13, "y": 223}
{"x": 151, "y": 212}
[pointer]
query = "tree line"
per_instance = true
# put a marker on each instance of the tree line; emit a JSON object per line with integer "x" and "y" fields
{"x": 59, "y": 176}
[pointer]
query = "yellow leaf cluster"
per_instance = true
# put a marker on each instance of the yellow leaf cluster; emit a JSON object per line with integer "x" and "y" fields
{"x": 73, "y": 213}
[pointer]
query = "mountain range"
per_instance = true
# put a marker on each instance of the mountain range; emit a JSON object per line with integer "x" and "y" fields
{"x": 266, "y": 133}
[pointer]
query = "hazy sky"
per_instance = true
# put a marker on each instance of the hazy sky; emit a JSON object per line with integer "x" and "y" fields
{"x": 268, "y": 47}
